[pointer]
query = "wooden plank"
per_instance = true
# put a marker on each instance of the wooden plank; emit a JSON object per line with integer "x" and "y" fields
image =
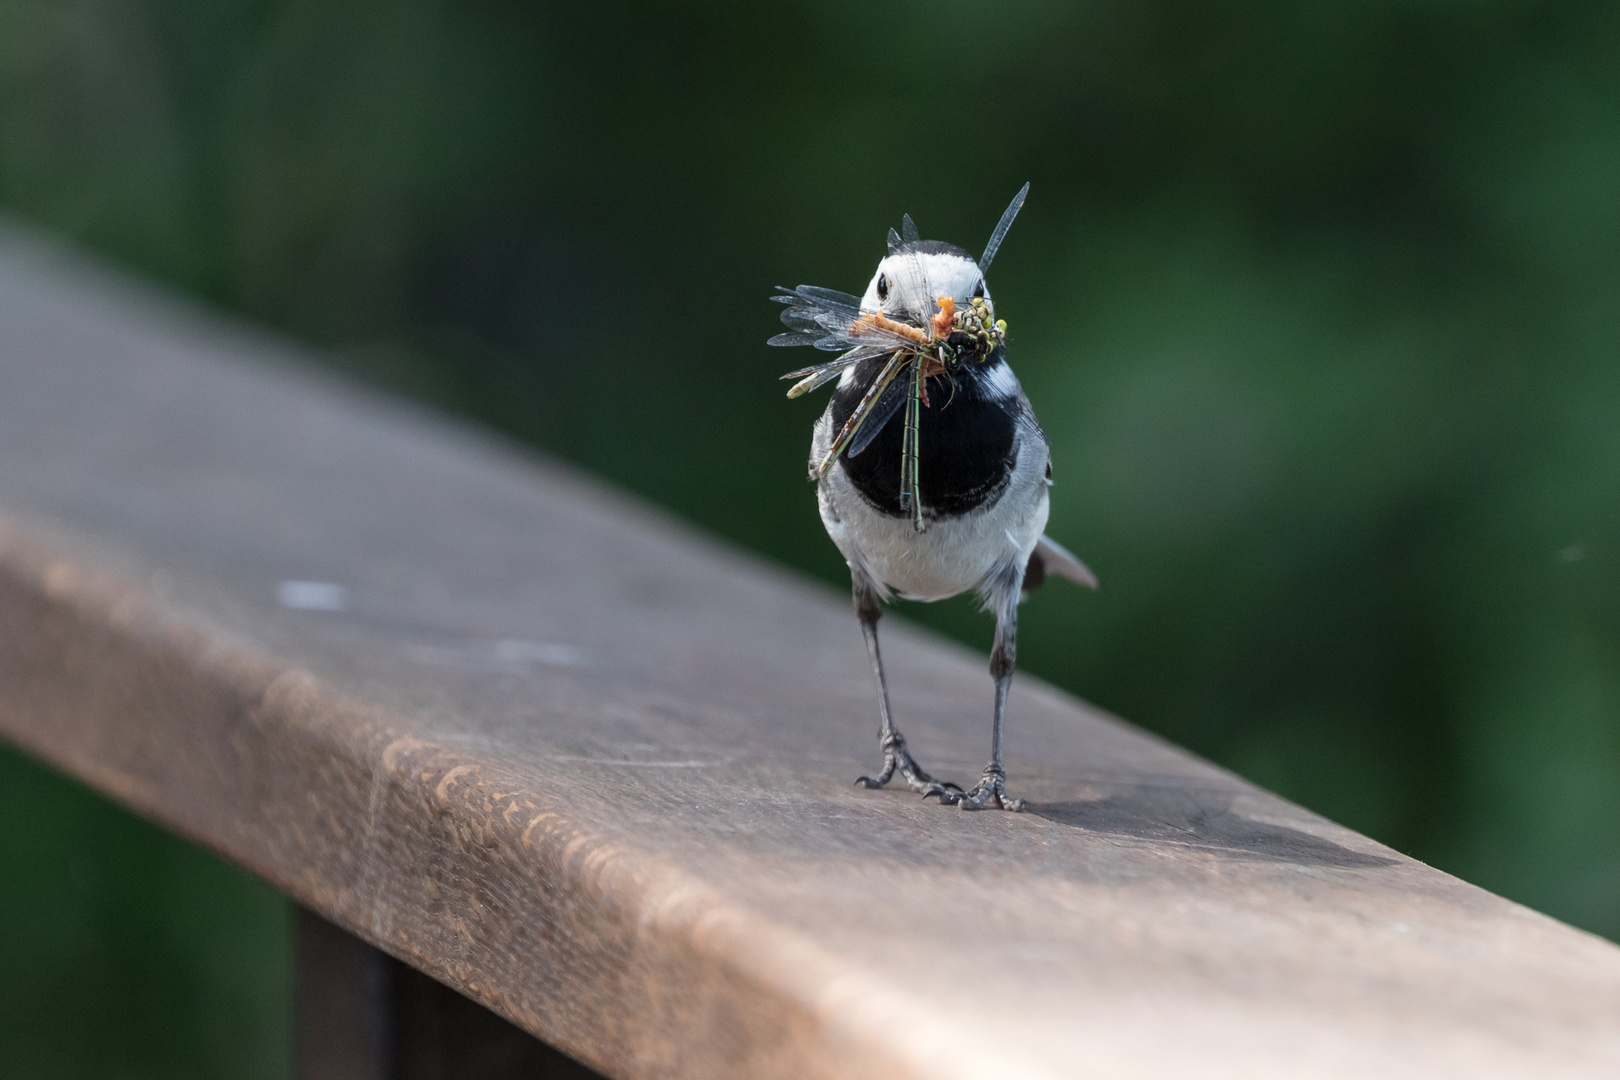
{"x": 594, "y": 770}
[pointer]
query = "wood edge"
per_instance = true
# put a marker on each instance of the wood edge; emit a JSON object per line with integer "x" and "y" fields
{"x": 832, "y": 1020}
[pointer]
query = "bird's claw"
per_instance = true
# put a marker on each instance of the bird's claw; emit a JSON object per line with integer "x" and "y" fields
{"x": 990, "y": 793}
{"x": 897, "y": 758}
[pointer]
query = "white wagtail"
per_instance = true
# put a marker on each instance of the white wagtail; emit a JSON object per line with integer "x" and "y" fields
{"x": 952, "y": 497}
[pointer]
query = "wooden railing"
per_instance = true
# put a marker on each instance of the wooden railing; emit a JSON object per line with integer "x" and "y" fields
{"x": 592, "y": 770}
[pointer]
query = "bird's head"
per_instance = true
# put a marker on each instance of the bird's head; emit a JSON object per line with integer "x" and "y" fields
{"x": 911, "y": 280}
{"x": 918, "y": 277}
{"x": 927, "y": 305}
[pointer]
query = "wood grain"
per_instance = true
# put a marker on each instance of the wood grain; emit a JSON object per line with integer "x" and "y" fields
{"x": 593, "y": 769}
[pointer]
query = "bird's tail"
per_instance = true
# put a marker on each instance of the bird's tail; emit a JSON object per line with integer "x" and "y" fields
{"x": 1056, "y": 559}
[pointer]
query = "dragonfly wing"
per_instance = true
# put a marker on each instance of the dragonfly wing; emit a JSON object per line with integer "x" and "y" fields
{"x": 1002, "y": 226}
{"x": 819, "y": 374}
{"x": 884, "y": 411}
{"x": 796, "y": 338}
{"x": 826, "y": 318}
{"x": 830, "y": 298}
{"x": 853, "y": 356}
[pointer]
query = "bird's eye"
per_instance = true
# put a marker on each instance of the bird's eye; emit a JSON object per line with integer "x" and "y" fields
{"x": 883, "y": 287}
{"x": 978, "y": 290}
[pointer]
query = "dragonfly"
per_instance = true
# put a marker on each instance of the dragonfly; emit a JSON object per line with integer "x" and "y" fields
{"x": 913, "y": 353}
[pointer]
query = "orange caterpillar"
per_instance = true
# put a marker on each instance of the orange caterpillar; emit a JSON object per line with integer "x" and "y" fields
{"x": 941, "y": 324}
{"x": 879, "y": 321}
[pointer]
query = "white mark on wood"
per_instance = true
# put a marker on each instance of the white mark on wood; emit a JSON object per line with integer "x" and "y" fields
{"x": 312, "y": 596}
{"x": 509, "y": 655}
{"x": 514, "y": 650}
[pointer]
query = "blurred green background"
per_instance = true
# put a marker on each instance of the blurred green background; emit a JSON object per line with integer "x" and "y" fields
{"x": 1318, "y": 304}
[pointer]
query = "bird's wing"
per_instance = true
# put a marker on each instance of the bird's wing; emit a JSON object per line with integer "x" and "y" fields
{"x": 1058, "y": 560}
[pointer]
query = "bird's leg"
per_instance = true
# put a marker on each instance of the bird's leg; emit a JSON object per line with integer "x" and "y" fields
{"x": 991, "y": 789}
{"x": 895, "y": 754}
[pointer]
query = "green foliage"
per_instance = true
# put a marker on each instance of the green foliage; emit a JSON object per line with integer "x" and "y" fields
{"x": 126, "y": 951}
{"x": 1317, "y": 302}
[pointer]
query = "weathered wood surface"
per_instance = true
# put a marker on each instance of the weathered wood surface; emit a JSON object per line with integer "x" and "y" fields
{"x": 594, "y": 770}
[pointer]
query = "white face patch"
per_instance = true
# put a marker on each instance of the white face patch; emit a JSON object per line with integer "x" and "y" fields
{"x": 1000, "y": 382}
{"x": 915, "y": 280}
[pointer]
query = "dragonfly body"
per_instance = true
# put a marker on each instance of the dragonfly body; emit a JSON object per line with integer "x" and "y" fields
{"x": 931, "y": 471}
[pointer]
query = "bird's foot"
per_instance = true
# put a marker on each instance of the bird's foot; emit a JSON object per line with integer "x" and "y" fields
{"x": 897, "y": 757}
{"x": 991, "y": 792}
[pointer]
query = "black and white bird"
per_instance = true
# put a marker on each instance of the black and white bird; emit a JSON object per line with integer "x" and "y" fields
{"x": 949, "y": 497}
